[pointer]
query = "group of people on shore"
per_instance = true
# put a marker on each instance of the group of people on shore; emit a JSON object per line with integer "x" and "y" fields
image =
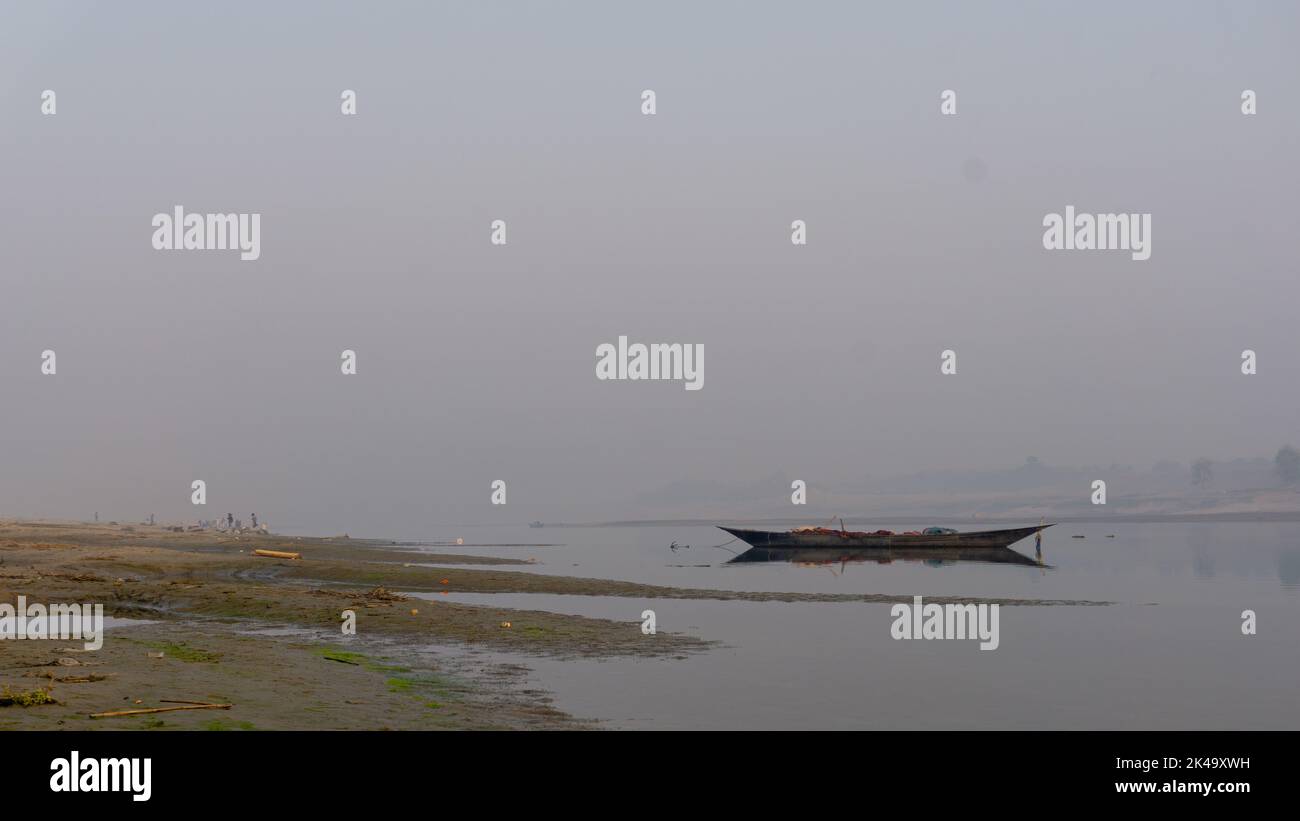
{"x": 230, "y": 523}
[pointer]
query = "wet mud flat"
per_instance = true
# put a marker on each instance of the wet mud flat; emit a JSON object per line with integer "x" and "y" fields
{"x": 223, "y": 626}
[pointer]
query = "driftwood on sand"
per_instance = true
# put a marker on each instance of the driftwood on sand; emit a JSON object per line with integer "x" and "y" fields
{"x": 276, "y": 554}
{"x": 188, "y": 705}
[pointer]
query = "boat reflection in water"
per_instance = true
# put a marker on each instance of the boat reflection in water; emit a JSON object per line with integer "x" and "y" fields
{"x": 935, "y": 556}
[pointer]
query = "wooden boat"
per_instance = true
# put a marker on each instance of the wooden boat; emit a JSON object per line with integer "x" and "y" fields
{"x": 886, "y": 555}
{"x": 822, "y": 537}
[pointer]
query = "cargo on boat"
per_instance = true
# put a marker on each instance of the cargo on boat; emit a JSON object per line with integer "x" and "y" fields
{"x": 933, "y": 537}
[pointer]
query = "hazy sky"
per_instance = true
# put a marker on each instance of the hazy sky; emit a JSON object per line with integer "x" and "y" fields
{"x": 476, "y": 362}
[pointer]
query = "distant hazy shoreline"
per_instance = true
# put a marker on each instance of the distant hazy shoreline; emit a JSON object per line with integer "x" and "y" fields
{"x": 1120, "y": 518}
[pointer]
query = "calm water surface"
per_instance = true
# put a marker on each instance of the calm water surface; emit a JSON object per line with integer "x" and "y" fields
{"x": 1169, "y": 653}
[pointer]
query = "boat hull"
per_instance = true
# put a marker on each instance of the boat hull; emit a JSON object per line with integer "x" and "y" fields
{"x": 842, "y": 539}
{"x": 885, "y": 555}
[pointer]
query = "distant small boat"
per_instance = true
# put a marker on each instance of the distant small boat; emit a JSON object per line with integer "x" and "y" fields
{"x": 823, "y": 537}
{"x": 535, "y": 524}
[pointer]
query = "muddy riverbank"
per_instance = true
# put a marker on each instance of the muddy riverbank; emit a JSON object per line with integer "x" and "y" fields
{"x": 207, "y": 620}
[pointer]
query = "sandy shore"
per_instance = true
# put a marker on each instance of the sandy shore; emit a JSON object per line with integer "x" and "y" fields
{"x": 222, "y": 625}
{"x": 265, "y": 634}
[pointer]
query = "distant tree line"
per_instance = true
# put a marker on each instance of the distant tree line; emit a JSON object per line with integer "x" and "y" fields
{"x": 1286, "y": 462}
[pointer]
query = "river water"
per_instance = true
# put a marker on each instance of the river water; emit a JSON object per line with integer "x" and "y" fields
{"x": 1168, "y": 653}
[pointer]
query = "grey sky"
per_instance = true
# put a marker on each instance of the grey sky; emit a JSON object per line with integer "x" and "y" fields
{"x": 477, "y": 362}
